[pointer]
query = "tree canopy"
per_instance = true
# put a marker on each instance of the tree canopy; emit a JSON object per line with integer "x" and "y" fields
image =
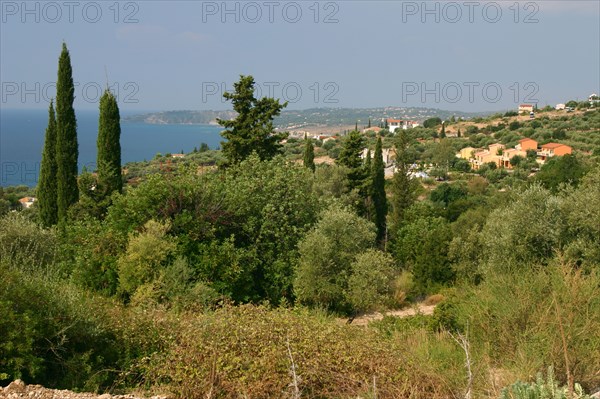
{"x": 252, "y": 129}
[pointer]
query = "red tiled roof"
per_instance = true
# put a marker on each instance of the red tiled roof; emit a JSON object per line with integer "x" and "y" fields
{"x": 552, "y": 145}
{"x": 394, "y": 120}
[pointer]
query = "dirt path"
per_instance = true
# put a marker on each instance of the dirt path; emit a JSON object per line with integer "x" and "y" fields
{"x": 416, "y": 309}
{"x": 18, "y": 390}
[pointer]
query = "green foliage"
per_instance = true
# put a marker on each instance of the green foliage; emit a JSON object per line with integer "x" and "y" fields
{"x": 47, "y": 186}
{"x": 377, "y": 192}
{"x": 89, "y": 251}
{"x": 350, "y": 157}
{"x": 445, "y": 194}
{"x": 370, "y": 284}
{"x": 422, "y": 248}
{"x": 567, "y": 169}
{"x": 24, "y": 243}
{"x": 147, "y": 253}
{"x": 57, "y": 335}
{"x": 542, "y": 389}
{"x": 528, "y": 230}
{"x": 309, "y": 155}
{"x": 109, "y": 146}
{"x": 531, "y": 318}
{"x": 514, "y": 125}
{"x": 432, "y": 122}
{"x": 272, "y": 206}
{"x": 188, "y": 201}
{"x": 252, "y": 130}
{"x": 403, "y": 188}
{"x": 516, "y": 160}
{"x": 582, "y": 210}
{"x": 326, "y": 256}
{"x": 391, "y": 325}
{"x": 67, "y": 149}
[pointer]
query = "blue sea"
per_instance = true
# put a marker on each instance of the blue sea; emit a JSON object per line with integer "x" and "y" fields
{"x": 22, "y": 140}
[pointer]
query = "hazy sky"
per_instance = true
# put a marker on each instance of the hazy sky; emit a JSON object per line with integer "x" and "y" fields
{"x": 168, "y": 55}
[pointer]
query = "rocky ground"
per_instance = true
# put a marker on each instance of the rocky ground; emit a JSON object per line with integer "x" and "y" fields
{"x": 18, "y": 390}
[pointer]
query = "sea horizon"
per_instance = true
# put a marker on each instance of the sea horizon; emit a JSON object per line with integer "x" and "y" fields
{"x": 22, "y": 134}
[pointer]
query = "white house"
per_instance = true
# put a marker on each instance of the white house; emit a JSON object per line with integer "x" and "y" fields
{"x": 594, "y": 99}
{"x": 526, "y": 108}
{"x": 559, "y": 107}
{"x": 394, "y": 124}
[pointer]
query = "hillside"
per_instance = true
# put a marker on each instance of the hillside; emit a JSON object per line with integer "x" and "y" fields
{"x": 308, "y": 118}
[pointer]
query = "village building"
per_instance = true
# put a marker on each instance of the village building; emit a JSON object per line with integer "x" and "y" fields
{"x": 27, "y": 202}
{"x": 526, "y": 108}
{"x": 551, "y": 150}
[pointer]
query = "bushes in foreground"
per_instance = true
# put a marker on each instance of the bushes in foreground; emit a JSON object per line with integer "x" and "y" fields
{"x": 248, "y": 351}
{"x": 56, "y": 334}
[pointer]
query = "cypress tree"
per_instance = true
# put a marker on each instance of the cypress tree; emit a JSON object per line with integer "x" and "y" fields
{"x": 459, "y": 135}
{"x": 46, "y": 191}
{"x": 309, "y": 154}
{"x": 443, "y": 131}
{"x": 350, "y": 157}
{"x": 403, "y": 188}
{"x": 109, "y": 145}
{"x": 378, "y": 191}
{"x": 67, "y": 150}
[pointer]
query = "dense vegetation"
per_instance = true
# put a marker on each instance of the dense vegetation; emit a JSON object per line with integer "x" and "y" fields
{"x": 231, "y": 280}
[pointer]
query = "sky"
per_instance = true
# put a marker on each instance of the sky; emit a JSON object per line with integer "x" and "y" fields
{"x": 180, "y": 55}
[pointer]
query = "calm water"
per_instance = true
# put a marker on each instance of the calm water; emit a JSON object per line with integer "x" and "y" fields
{"x": 22, "y": 140}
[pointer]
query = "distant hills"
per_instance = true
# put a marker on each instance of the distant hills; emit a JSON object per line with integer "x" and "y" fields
{"x": 300, "y": 119}
{"x": 181, "y": 117}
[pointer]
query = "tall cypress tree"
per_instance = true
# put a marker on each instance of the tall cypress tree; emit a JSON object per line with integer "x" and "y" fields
{"x": 46, "y": 190}
{"x": 109, "y": 145}
{"x": 350, "y": 157}
{"x": 309, "y": 154}
{"x": 378, "y": 191}
{"x": 403, "y": 188}
{"x": 67, "y": 150}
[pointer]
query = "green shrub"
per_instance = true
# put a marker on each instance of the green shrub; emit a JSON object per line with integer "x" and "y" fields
{"x": 542, "y": 389}
{"x": 370, "y": 285}
{"x": 54, "y": 334}
{"x": 24, "y": 243}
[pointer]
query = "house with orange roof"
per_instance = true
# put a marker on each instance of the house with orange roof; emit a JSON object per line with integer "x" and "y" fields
{"x": 374, "y": 129}
{"x": 486, "y": 156}
{"x": 509, "y": 154}
{"x": 394, "y": 124}
{"x": 553, "y": 149}
{"x": 527, "y": 144}
{"x": 496, "y": 148}
{"x": 27, "y": 202}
